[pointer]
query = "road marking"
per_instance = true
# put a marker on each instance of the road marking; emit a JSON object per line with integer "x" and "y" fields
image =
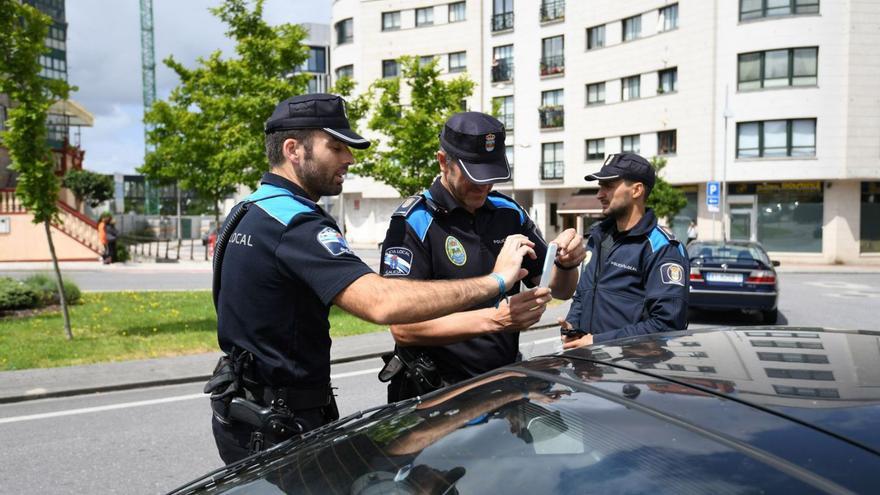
{"x": 126, "y": 405}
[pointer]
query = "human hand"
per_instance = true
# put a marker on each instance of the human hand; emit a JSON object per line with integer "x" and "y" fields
{"x": 509, "y": 261}
{"x": 571, "y": 252}
{"x": 522, "y": 310}
{"x": 573, "y": 342}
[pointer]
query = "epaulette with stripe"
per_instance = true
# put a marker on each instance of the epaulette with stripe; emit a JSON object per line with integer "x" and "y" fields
{"x": 408, "y": 206}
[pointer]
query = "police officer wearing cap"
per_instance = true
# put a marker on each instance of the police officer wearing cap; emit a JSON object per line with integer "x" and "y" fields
{"x": 281, "y": 262}
{"x": 454, "y": 230}
{"x": 635, "y": 278}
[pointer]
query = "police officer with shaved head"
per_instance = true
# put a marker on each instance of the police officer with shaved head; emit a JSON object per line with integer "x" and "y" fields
{"x": 455, "y": 230}
{"x": 281, "y": 262}
{"x": 635, "y": 280}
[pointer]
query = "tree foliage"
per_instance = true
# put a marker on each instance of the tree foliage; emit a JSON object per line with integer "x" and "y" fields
{"x": 209, "y": 135}
{"x": 407, "y": 112}
{"x": 666, "y": 200}
{"x": 88, "y": 186}
{"x": 24, "y": 30}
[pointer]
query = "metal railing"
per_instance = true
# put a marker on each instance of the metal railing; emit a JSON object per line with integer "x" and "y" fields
{"x": 502, "y": 71}
{"x": 552, "y": 65}
{"x": 551, "y": 11}
{"x": 552, "y": 116}
{"x": 502, "y": 22}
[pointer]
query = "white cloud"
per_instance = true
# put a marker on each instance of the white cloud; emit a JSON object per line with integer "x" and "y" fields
{"x": 104, "y": 61}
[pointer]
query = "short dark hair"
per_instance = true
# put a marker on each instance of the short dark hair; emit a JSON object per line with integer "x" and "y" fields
{"x": 629, "y": 182}
{"x": 450, "y": 157}
{"x": 275, "y": 142}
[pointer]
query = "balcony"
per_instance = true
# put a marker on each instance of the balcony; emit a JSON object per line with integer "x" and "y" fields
{"x": 502, "y": 70}
{"x": 552, "y": 65}
{"x": 553, "y": 170}
{"x": 502, "y": 22}
{"x": 552, "y": 116}
{"x": 552, "y": 11}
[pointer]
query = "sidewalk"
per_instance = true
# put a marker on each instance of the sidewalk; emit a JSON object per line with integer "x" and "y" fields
{"x": 17, "y": 386}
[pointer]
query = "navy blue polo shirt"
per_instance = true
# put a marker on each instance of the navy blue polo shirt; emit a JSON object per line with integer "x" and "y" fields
{"x": 283, "y": 266}
{"x": 432, "y": 237}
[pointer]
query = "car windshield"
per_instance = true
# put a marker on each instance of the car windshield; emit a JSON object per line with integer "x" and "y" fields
{"x": 742, "y": 253}
{"x": 519, "y": 433}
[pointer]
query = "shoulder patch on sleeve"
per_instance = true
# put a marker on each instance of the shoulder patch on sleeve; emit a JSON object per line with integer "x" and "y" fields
{"x": 502, "y": 201}
{"x": 333, "y": 241}
{"x": 408, "y": 206}
{"x": 278, "y": 203}
{"x": 397, "y": 262}
{"x": 672, "y": 274}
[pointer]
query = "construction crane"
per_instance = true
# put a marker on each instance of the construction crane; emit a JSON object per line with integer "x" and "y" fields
{"x": 148, "y": 73}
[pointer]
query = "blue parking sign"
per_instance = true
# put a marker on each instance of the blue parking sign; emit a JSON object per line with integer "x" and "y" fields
{"x": 713, "y": 195}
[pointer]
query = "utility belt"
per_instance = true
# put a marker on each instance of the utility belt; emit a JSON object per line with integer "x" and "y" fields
{"x": 411, "y": 373}
{"x": 274, "y": 413}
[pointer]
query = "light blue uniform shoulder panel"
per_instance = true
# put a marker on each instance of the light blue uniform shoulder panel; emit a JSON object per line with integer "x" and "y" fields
{"x": 284, "y": 208}
{"x": 658, "y": 239}
{"x": 505, "y": 202}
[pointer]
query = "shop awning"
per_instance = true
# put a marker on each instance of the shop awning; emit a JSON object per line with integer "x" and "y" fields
{"x": 76, "y": 114}
{"x": 581, "y": 204}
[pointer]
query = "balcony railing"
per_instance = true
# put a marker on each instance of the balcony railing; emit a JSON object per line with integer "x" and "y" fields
{"x": 552, "y": 65}
{"x": 502, "y": 71}
{"x": 552, "y": 116}
{"x": 502, "y": 22}
{"x": 552, "y": 170}
{"x": 552, "y": 11}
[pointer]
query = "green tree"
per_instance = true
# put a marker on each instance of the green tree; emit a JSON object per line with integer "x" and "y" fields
{"x": 88, "y": 186}
{"x": 666, "y": 200}
{"x": 404, "y": 158}
{"x": 24, "y": 31}
{"x": 208, "y": 136}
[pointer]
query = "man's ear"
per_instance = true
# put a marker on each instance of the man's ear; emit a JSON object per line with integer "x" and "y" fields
{"x": 290, "y": 149}
{"x": 441, "y": 159}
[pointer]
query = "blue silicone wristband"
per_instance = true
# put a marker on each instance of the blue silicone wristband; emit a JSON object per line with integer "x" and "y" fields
{"x": 502, "y": 288}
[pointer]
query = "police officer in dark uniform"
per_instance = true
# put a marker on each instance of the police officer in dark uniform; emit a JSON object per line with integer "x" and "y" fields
{"x": 454, "y": 230}
{"x": 635, "y": 280}
{"x": 281, "y": 262}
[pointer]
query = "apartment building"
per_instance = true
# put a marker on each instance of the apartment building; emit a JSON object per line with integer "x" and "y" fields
{"x": 775, "y": 98}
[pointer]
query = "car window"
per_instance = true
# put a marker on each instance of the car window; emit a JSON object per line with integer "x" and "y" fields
{"x": 728, "y": 252}
{"x": 520, "y": 434}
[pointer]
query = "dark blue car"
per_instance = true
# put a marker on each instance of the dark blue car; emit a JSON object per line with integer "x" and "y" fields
{"x": 753, "y": 410}
{"x": 733, "y": 275}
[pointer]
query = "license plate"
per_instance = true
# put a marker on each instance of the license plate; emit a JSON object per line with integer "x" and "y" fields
{"x": 725, "y": 278}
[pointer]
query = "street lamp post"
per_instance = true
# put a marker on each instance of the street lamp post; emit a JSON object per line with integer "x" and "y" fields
{"x": 728, "y": 114}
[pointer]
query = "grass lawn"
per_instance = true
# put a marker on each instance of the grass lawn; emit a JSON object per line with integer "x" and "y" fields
{"x": 118, "y": 326}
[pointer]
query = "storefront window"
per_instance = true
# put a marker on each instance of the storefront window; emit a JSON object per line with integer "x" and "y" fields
{"x": 684, "y": 217}
{"x": 869, "y": 233}
{"x": 790, "y": 216}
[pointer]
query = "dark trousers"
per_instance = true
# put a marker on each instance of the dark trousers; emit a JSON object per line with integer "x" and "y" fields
{"x": 234, "y": 440}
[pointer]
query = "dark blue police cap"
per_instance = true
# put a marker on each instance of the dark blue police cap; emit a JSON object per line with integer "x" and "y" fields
{"x": 477, "y": 140}
{"x": 626, "y": 166}
{"x": 316, "y": 111}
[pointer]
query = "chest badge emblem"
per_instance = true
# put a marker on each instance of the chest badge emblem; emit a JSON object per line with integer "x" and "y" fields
{"x": 455, "y": 251}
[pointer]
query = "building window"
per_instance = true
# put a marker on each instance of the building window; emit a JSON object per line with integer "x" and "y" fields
{"x": 391, "y": 21}
{"x": 552, "y": 111}
{"x": 668, "y": 18}
{"x": 595, "y": 37}
{"x": 790, "y": 220}
{"x": 596, "y": 149}
{"x": 756, "y": 9}
{"x": 457, "y": 62}
{"x": 666, "y": 142}
{"x": 508, "y": 153}
{"x": 630, "y": 88}
{"x": 869, "y": 229}
{"x": 502, "y": 15}
{"x": 317, "y": 61}
{"x": 792, "y": 374}
{"x": 389, "y": 68}
{"x": 457, "y": 12}
{"x": 552, "y": 161}
{"x": 631, "y": 144}
{"x": 596, "y": 93}
{"x": 776, "y": 138}
{"x": 821, "y": 393}
{"x": 425, "y": 17}
{"x": 503, "y": 106}
{"x": 344, "y": 31}
{"x": 667, "y": 81}
{"x": 632, "y": 28}
{"x": 552, "y": 10}
{"x": 502, "y": 63}
{"x": 345, "y": 71}
{"x": 790, "y": 357}
{"x": 775, "y": 68}
{"x": 427, "y": 59}
{"x": 552, "y": 58}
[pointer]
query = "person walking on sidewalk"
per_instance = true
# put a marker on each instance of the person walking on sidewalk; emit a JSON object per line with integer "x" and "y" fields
{"x": 111, "y": 234}
{"x": 454, "y": 230}
{"x": 635, "y": 280}
{"x": 281, "y": 262}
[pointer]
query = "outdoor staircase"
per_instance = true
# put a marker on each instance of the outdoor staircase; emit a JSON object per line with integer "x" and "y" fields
{"x": 72, "y": 223}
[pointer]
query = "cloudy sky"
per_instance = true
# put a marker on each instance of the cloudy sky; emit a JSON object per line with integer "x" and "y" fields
{"x": 104, "y": 60}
